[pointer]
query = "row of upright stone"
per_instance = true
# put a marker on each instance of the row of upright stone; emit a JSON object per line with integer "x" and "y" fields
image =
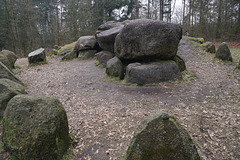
{"x": 34, "y": 127}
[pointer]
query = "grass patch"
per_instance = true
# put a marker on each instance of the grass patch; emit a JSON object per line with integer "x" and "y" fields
{"x": 38, "y": 63}
{"x": 235, "y": 54}
{"x": 18, "y": 67}
{"x": 188, "y": 76}
{"x": 97, "y": 63}
{"x": 118, "y": 80}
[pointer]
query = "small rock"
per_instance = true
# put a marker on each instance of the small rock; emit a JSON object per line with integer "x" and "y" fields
{"x": 37, "y": 56}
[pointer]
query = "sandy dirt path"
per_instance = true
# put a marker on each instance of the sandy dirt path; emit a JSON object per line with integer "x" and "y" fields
{"x": 103, "y": 114}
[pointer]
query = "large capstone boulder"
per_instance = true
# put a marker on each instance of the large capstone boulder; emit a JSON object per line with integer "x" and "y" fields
{"x": 85, "y": 43}
{"x": 114, "y": 68}
{"x": 223, "y": 52}
{"x": 154, "y": 72}
{"x": 8, "y": 58}
{"x": 107, "y": 33}
{"x": 35, "y": 128}
{"x": 160, "y": 136}
{"x": 151, "y": 39}
{"x": 103, "y": 56}
{"x": 6, "y": 73}
{"x": 8, "y": 89}
{"x": 209, "y": 47}
{"x": 37, "y": 56}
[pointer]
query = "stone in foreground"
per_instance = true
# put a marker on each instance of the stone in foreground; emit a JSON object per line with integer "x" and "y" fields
{"x": 151, "y": 39}
{"x": 160, "y": 137}
{"x": 35, "y": 128}
{"x": 8, "y": 58}
{"x": 37, "y": 56}
{"x": 6, "y": 73}
{"x": 154, "y": 72}
{"x": 8, "y": 89}
{"x": 223, "y": 52}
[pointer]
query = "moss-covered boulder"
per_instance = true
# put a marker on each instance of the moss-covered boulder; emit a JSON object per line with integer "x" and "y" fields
{"x": 223, "y": 52}
{"x": 35, "y": 128}
{"x": 68, "y": 48}
{"x": 8, "y": 58}
{"x": 180, "y": 62}
{"x": 209, "y": 47}
{"x": 160, "y": 136}
{"x": 8, "y": 90}
{"x": 6, "y": 73}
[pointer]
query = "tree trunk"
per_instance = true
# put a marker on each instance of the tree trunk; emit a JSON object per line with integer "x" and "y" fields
{"x": 161, "y": 10}
{"x": 137, "y": 9}
{"x": 11, "y": 35}
{"x": 148, "y": 14}
{"x": 238, "y": 23}
{"x": 189, "y": 14}
{"x": 184, "y": 12}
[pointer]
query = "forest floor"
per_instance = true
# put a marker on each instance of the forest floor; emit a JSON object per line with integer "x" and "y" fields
{"x": 103, "y": 113}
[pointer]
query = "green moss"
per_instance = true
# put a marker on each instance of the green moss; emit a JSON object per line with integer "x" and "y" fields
{"x": 18, "y": 67}
{"x": 23, "y": 142}
{"x": 82, "y": 57}
{"x": 168, "y": 152}
{"x": 67, "y": 48}
{"x": 198, "y": 40}
{"x": 97, "y": 63}
{"x": 54, "y": 52}
{"x": 1, "y": 147}
{"x": 56, "y": 47}
{"x": 69, "y": 153}
{"x": 14, "y": 158}
{"x": 180, "y": 62}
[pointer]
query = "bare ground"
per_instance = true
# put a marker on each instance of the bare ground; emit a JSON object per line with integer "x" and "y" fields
{"x": 103, "y": 114}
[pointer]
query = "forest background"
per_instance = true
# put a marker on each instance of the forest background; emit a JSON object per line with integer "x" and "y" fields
{"x": 26, "y": 25}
